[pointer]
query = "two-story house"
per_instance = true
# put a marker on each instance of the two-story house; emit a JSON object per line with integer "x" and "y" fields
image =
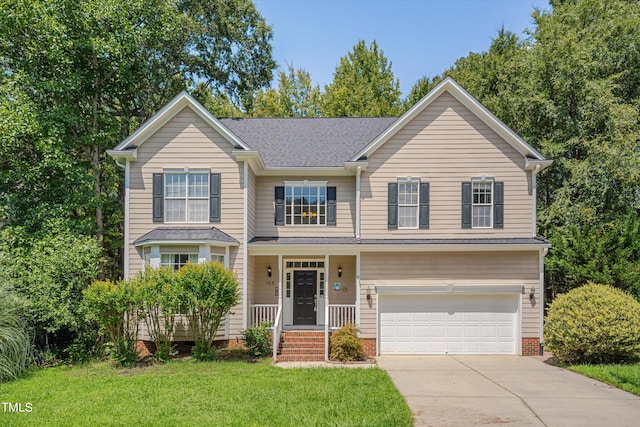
{"x": 419, "y": 229}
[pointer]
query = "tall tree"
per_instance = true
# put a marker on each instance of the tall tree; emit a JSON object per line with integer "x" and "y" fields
{"x": 363, "y": 85}
{"x": 296, "y": 96}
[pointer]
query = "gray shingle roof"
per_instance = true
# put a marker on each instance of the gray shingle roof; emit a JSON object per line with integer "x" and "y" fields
{"x": 185, "y": 234}
{"x": 308, "y": 142}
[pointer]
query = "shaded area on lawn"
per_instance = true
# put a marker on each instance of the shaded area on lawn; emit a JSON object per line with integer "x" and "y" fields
{"x": 216, "y": 393}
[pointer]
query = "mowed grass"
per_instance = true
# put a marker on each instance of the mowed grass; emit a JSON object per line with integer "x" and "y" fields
{"x": 625, "y": 377}
{"x": 188, "y": 393}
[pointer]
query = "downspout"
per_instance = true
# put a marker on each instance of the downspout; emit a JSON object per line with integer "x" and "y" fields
{"x": 543, "y": 253}
{"x": 534, "y": 189}
{"x": 127, "y": 186}
{"x": 359, "y": 171}
{"x": 245, "y": 251}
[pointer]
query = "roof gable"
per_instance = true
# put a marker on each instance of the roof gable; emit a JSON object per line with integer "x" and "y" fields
{"x": 450, "y": 86}
{"x": 169, "y": 111}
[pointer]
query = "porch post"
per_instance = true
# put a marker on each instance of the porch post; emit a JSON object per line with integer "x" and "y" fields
{"x": 358, "y": 290}
{"x": 280, "y": 273}
{"x": 326, "y": 307}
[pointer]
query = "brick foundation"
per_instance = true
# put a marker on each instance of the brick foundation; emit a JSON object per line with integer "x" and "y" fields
{"x": 369, "y": 346}
{"x": 148, "y": 348}
{"x": 531, "y": 346}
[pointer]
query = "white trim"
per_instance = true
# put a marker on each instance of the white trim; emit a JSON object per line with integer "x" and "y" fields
{"x": 127, "y": 204}
{"x": 219, "y": 243}
{"x": 519, "y": 329}
{"x": 358, "y": 173}
{"x": 385, "y": 289}
{"x": 262, "y": 249}
{"x": 176, "y": 105}
{"x": 204, "y": 254}
{"x": 154, "y": 257}
{"x": 326, "y": 307}
{"x": 245, "y": 245}
{"x": 541, "y": 302}
{"x": 305, "y": 183}
{"x": 186, "y": 172}
{"x": 377, "y": 324}
{"x": 358, "y": 289}
{"x": 452, "y": 87}
{"x": 483, "y": 180}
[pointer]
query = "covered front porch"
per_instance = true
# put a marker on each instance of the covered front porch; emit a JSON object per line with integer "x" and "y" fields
{"x": 303, "y": 292}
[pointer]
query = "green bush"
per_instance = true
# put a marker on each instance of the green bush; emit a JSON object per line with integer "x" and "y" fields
{"x": 206, "y": 293}
{"x": 593, "y": 324}
{"x": 257, "y": 339}
{"x": 15, "y": 340}
{"x": 345, "y": 344}
{"x": 114, "y": 307}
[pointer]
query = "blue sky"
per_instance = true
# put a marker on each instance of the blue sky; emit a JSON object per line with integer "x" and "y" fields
{"x": 419, "y": 37}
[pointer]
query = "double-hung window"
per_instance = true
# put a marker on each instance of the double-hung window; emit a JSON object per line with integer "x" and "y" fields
{"x": 186, "y": 196}
{"x": 482, "y": 204}
{"x": 305, "y": 204}
{"x": 408, "y": 203}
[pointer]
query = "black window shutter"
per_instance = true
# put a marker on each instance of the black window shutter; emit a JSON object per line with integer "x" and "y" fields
{"x": 214, "y": 197}
{"x": 158, "y": 197}
{"x": 279, "y": 196}
{"x": 466, "y": 205}
{"x": 424, "y": 205}
{"x": 498, "y": 205}
{"x": 392, "y": 202}
{"x": 331, "y": 205}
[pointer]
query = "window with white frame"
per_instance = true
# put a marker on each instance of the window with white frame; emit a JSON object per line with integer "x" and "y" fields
{"x": 186, "y": 196}
{"x": 408, "y": 203}
{"x": 177, "y": 260}
{"x": 482, "y": 204}
{"x": 305, "y": 204}
{"x": 217, "y": 258}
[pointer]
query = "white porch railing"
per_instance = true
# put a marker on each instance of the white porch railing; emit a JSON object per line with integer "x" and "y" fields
{"x": 263, "y": 313}
{"x": 341, "y": 314}
{"x": 277, "y": 331}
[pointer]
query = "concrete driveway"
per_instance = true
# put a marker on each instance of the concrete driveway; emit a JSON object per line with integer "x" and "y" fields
{"x": 505, "y": 390}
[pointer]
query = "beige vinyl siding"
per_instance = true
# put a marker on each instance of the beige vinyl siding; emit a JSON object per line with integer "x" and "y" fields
{"x": 186, "y": 140}
{"x": 345, "y": 208}
{"x": 263, "y": 288}
{"x": 445, "y": 145}
{"x": 251, "y": 205}
{"x": 347, "y": 295}
{"x": 457, "y": 268}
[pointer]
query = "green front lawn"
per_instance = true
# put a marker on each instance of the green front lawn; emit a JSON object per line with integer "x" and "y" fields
{"x": 183, "y": 393}
{"x": 625, "y": 377}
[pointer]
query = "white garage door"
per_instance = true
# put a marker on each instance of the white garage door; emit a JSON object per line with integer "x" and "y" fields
{"x": 448, "y": 324}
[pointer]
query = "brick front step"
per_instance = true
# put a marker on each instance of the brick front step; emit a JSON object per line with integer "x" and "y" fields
{"x": 301, "y": 346}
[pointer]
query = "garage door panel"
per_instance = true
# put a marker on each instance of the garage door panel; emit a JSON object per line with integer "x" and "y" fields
{"x": 454, "y": 324}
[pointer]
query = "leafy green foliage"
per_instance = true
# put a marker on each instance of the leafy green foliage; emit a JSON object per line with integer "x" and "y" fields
{"x": 257, "y": 339}
{"x": 345, "y": 345}
{"x": 363, "y": 85}
{"x": 15, "y": 339}
{"x": 206, "y": 292}
{"x": 594, "y": 324}
{"x": 295, "y": 97}
{"x": 113, "y": 305}
{"x": 158, "y": 304}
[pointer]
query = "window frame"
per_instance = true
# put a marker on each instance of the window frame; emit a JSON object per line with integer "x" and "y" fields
{"x": 416, "y": 205}
{"x": 187, "y": 173}
{"x": 289, "y": 203}
{"x": 174, "y": 265}
{"x": 490, "y": 205}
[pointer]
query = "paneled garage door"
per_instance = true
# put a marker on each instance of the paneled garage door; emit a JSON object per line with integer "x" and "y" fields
{"x": 448, "y": 324}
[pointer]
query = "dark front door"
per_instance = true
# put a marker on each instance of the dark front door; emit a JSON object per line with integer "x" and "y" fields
{"x": 304, "y": 292}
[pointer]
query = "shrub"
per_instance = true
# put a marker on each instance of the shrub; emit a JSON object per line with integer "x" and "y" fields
{"x": 15, "y": 340}
{"x": 157, "y": 300}
{"x": 345, "y": 344}
{"x": 113, "y": 305}
{"x": 206, "y": 293}
{"x": 257, "y": 339}
{"x": 594, "y": 324}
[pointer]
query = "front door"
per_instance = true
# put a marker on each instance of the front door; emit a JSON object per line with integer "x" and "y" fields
{"x": 304, "y": 284}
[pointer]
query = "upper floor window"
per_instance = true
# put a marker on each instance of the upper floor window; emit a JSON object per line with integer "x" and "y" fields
{"x": 305, "y": 204}
{"x": 408, "y": 203}
{"x": 186, "y": 197}
{"x": 482, "y": 204}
